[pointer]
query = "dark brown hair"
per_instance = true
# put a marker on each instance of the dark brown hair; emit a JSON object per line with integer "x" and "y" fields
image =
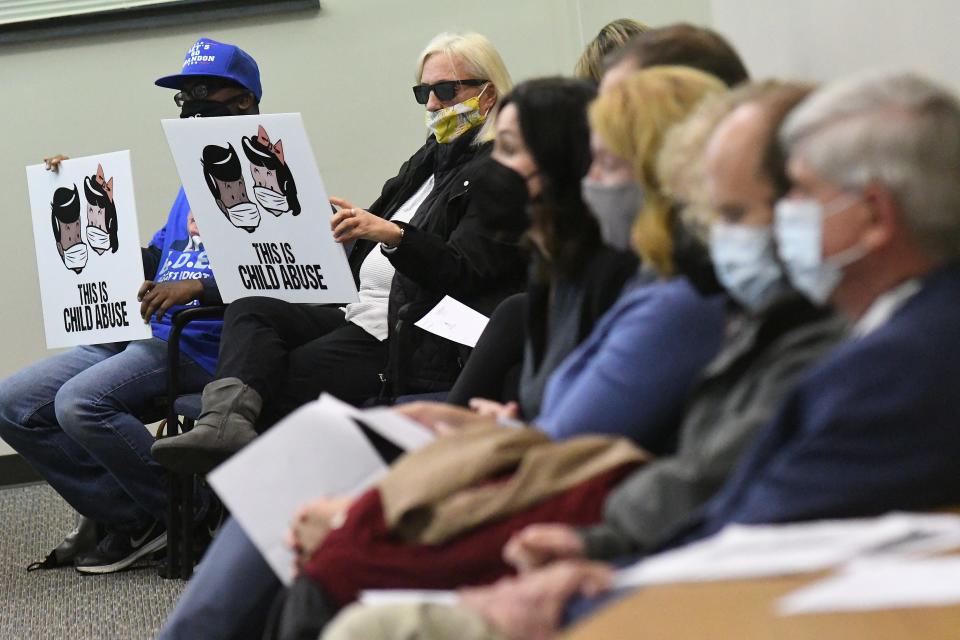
{"x": 552, "y": 115}
{"x": 685, "y": 45}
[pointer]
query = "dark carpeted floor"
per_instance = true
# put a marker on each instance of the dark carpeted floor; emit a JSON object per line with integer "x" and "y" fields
{"x": 61, "y": 603}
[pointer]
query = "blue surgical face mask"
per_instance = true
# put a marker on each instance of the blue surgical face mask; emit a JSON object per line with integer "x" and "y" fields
{"x": 746, "y": 264}
{"x": 798, "y": 227}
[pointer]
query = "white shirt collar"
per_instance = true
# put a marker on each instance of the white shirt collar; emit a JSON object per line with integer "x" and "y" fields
{"x": 885, "y": 306}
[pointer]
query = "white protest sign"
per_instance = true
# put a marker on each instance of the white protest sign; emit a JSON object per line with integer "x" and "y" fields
{"x": 261, "y": 207}
{"x": 88, "y": 250}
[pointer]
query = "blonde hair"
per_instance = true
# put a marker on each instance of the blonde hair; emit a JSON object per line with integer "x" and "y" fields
{"x": 632, "y": 119}
{"x": 481, "y": 60}
{"x": 612, "y": 37}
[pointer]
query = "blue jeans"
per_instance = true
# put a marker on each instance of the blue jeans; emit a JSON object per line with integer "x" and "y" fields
{"x": 78, "y": 419}
{"x": 230, "y": 594}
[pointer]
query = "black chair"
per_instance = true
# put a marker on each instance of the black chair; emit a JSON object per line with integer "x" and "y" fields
{"x": 180, "y": 550}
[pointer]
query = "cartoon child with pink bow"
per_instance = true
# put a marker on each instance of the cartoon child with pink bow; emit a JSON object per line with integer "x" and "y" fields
{"x": 101, "y": 212}
{"x": 273, "y": 184}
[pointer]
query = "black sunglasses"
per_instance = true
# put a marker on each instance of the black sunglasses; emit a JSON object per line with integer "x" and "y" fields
{"x": 444, "y": 90}
{"x": 200, "y": 92}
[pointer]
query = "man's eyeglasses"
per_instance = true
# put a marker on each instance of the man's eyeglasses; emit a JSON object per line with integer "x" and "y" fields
{"x": 197, "y": 92}
{"x": 444, "y": 90}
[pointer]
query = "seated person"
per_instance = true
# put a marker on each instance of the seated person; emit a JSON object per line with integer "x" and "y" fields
{"x": 445, "y": 225}
{"x": 78, "y": 417}
{"x": 870, "y": 226}
{"x": 676, "y": 44}
{"x": 612, "y": 37}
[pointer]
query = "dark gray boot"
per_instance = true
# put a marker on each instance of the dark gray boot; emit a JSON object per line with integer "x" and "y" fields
{"x": 229, "y": 410}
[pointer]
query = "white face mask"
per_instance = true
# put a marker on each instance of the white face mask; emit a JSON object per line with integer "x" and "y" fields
{"x": 98, "y": 239}
{"x": 271, "y": 200}
{"x": 244, "y": 215}
{"x": 76, "y": 257}
{"x": 798, "y": 226}
{"x": 615, "y": 208}
{"x": 746, "y": 265}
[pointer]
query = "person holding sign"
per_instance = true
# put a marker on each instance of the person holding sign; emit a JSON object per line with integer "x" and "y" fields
{"x": 79, "y": 417}
{"x": 448, "y": 224}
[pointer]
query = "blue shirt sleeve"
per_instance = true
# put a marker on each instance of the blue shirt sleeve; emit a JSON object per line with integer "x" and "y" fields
{"x": 179, "y": 204}
{"x": 632, "y": 375}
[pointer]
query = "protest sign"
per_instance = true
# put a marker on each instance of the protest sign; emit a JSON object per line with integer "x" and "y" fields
{"x": 261, "y": 206}
{"x": 88, "y": 250}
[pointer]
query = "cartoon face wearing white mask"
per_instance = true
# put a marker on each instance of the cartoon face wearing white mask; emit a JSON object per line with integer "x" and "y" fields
{"x": 273, "y": 184}
{"x": 65, "y": 219}
{"x": 101, "y": 212}
{"x": 225, "y": 181}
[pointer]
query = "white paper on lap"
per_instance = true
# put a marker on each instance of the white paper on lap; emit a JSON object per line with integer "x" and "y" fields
{"x": 453, "y": 320}
{"x": 318, "y": 450}
{"x": 88, "y": 256}
{"x": 267, "y": 228}
{"x": 407, "y": 434}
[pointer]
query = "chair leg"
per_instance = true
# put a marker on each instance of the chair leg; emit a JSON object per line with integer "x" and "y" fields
{"x": 186, "y": 524}
{"x": 171, "y": 568}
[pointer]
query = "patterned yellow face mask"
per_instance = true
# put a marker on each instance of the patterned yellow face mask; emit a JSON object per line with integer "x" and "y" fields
{"x": 450, "y": 123}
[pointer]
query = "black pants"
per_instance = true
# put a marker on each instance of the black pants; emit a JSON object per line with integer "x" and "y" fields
{"x": 290, "y": 353}
{"x": 493, "y": 369}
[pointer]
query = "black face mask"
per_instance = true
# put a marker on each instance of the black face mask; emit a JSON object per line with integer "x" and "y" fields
{"x": 207, "y": 108}
{"x": 498, "y": 188}
{"x": 692, "y": 260}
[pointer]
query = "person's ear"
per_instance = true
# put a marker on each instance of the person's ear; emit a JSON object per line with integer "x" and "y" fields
{"x": 883, "y": 212}
{"x": 246, "y": 103}
{"x": 489, "y": 99}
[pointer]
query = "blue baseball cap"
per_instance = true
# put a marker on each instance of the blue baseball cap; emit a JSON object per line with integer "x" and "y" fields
{"x": 211, "y": 58}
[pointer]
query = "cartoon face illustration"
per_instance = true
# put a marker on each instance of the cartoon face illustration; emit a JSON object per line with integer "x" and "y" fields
{"x": 65, "y": 218}
{"x": 101, "y": 212}
{"x": 221, "y": 168}
{"x": 273, "y": 184}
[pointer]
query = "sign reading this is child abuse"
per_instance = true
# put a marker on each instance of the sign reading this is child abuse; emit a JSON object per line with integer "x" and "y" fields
{"x": 88, "y": 250}
{"x": 261, "y": 207}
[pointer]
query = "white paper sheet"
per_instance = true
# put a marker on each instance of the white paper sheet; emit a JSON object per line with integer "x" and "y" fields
{"x": 455, "y": 321}
{"x": 407, "y": 434}
{"x": 318, "y": 450}
{"x": 378, "y": 597}
{"x": 741, "y": 551}
{"x": 880, "y": 584}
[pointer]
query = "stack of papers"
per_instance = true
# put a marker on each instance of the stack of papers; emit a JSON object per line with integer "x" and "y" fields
{"x": 754, "y": 551}
{"x": 880, "y": 583}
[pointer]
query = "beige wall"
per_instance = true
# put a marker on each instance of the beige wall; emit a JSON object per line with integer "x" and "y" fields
{"x": 348, "y": 69}
{"x": 825, "y": 39}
